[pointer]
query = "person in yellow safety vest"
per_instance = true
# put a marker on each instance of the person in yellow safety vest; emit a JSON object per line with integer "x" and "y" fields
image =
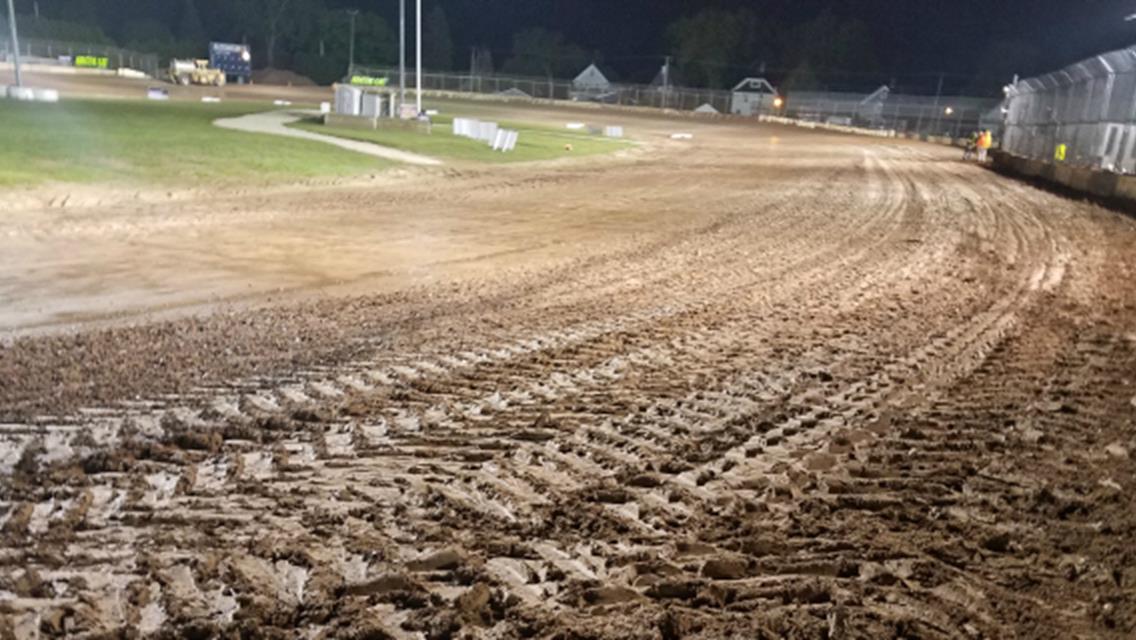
{"x": 985, "y": 141}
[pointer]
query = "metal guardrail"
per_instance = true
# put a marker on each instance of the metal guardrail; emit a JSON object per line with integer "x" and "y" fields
{"x": 1083, "y": 115}
{"x": 89, "y": 55}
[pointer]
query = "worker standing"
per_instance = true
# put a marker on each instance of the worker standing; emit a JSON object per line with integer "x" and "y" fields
{"x": 971, "y": 145}
{"x": 985, "y": 141}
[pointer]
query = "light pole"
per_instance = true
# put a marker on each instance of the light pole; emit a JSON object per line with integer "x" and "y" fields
{"x": 418, "y": 41}
{"x": 15, "y": 42}
{"x": 401, "y": 54}
{"x": 351, "y": 46}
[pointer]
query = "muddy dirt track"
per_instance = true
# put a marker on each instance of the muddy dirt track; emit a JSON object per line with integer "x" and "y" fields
{"x": 766, "y": 384}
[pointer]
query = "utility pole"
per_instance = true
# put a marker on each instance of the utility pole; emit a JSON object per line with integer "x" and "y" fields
{"x": 351, "y": 47}
{"x": 15, "y": 42}
{"x": 418, "y": 42}
{"x": 666, "y": 81}
{"x": 938, "y": 95}
{"x": 401, "y": 54}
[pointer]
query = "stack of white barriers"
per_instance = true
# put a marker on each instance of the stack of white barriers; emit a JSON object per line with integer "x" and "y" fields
{"x": 499, "y": 139}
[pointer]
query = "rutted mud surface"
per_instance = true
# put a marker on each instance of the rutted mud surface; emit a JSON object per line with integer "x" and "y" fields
{"x": 875, "y": 395}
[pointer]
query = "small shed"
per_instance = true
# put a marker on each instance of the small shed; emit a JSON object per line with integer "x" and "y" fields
{"x": 752, "y": 97}
{"x": 591, "y": 80}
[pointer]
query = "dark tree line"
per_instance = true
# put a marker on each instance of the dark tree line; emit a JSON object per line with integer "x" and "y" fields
{"x": 310, "y": 37}
{"x": 710, "y": 47}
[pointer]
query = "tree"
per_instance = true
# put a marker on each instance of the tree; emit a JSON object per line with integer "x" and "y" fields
{"x": 829, "y": 43}
{"x": 276, "y": 10}
{"x": 189, "y": 25}
{"x": 149, "y": 35}
{"x": 274, "y": 27}
{"x": 375, "y": 44}
{"x": 539, "y": 52}
{"x": 438, "y": 46}
{"x": 78, "y": 11}
{"x": 713, "y": 41}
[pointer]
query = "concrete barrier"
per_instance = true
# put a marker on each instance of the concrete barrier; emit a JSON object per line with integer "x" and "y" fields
{"x": 21, "y": 93}
{"x": 1112, "y": 189}
{"x": 373, "y": 123}
{"x": 826, "y": 126}
{"x": 46, "y": 95}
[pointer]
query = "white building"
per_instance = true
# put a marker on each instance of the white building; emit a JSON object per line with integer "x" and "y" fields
{"x": 752, "y": 96}
{"x": 591, "y": 84}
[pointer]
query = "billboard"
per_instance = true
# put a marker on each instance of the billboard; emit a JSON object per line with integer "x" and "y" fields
{"x": 234, "y": 59}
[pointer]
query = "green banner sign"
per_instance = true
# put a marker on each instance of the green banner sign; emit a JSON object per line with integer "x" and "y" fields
{"x": 91, "y": 62}
{"x": 368, "y": 81}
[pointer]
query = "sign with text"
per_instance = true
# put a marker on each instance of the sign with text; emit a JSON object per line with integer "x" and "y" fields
{"x": 92, "y": 62}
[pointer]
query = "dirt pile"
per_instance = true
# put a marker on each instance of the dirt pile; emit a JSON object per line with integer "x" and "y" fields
{"x": 281, "y": 78}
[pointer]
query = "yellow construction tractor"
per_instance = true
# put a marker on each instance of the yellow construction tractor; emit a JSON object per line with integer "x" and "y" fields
{"x": 187, "y": 72}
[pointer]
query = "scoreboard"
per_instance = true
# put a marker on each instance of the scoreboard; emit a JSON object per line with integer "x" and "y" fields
{"x": 234, "y": 59}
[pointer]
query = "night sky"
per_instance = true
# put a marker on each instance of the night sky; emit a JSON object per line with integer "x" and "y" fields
{"x": 915, "y": 37}
{"x": 914, "y": 40}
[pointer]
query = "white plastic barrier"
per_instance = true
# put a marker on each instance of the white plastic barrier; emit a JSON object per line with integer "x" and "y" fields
{"x": 497, "y": 138}
{"x": 488, "y": 132}
{"x": 505, "y": 140}
{"x": 213, "y": 99}
{"x": 467, "y": 127}
{"x": 613, "y": 132}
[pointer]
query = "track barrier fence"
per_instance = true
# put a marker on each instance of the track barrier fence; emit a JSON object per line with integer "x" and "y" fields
{"x": 1083, "y": 115}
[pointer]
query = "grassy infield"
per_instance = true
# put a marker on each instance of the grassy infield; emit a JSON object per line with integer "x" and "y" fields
{"x": 534, "y": 143}
{"x": 176, "y": 143}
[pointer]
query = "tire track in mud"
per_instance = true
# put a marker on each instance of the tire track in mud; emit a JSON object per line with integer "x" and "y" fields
{"x": 301, "y": 449}
{"x": 657, "y": 454}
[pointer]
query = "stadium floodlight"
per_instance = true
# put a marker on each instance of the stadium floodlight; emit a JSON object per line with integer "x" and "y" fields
{"x": 1130, "y": 17}
{"x": 418, "y": 42}
{"x": 950, "y": 111}
{"x": 351, "y": 46}
{"x": 15, "y": 42}
{"x": 401, "y": 54}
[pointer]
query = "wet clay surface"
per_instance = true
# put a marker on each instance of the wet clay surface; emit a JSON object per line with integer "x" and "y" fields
{"x": 817, "y": 387}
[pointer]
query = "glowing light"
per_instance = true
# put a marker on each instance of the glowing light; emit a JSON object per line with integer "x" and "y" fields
{"x": 950, "y": 111}
{"x": 778, "y": 102}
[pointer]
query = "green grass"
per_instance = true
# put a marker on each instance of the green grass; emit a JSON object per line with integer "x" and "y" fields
{"x": 534, "y": 143}
{"x": 165, "y": 143}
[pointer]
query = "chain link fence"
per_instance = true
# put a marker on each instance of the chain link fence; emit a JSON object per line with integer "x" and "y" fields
{"x": 1083, "y": 115}
{"x": 951, "y": 116}
{"x": 522, "y": 87}
{"x": 76, "y": 54}
{"x": 947, "y": 116}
